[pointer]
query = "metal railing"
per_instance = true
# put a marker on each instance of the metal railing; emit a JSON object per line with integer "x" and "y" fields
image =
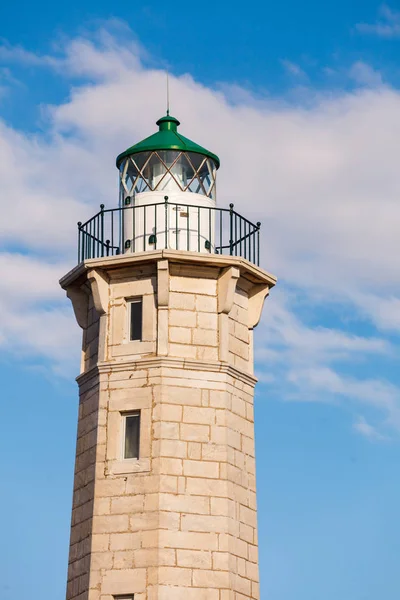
{"x": 166, "y": 225}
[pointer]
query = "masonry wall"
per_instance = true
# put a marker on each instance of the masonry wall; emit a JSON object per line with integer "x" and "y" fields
{"x": 180, "y": 522}
{"x": 83, "y": 493}
{"x": 184, "y": 524}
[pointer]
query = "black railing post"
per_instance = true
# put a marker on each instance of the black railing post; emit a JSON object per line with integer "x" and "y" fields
{"x": 244, "y": 236}
{"x": 122, "y": 221}
{"x": 188, "y": 228}
{"x": 102, "y": 229}
{"x": 166, "y": 222}
{"x": 79, "y": 242}
{"x": 231, "y": 229}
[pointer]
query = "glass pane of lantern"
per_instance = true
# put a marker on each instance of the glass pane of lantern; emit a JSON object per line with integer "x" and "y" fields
{"x": 195, "y": 159}
{"x": 183, "y": 171}
{"x": 130, "y": 176}
{"x": 140, "y": 186}
{"x": 168, "y": 183}
{"x": 168, "y": 156}
{"x": 195, "y": 187}
{"x": 205, "y": 176}
{"x": 140, "y": 159}
{"x": 154, "y": 171}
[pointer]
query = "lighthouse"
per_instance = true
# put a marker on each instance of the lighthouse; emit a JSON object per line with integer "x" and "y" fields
{"x": 167, "y": 290}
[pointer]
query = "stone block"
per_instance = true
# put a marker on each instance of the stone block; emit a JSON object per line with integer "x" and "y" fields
{"x": 204, "y": 523}
{"x": 185, "y": 593}
{"x": 206, "y": 487}
{"x": 222, "y": 561}
{"x": 194, "y": 433}
{"x": 194, "y": 559}
{"x": 194, "y": 450}
{"x": 183, "y": 318}
{"x": 204, "y": 337}
{"x": 168, "y": 466}
{"x": 169, "y": 484}
{"x": 180, "y": 335}
{"x": 174, "y": 576}
{"x": 184, "y": 503}
{"x": 206, "y": 304}
{"x": 246, "y": 533}
{"x": 196, "y": 468}
{"x": 172, "y": 448}
{"x": 182, "y": 350}
{"x": 182, "y": 301}
{"x": 201, "y": 415}
{"x": 124, "y": 581}
{"x": 215, "y": 452}
{"x": 207, "y": 353}
{"x": 100, "y": 542}
{"x": 152, "y": 557}
{"x": 182, "y": 395}
{"x": 167, "y": 412}
{"x": 127, "y": 504}
{"x": 143, "y": 521}
{"x": 219, "y": 399}
{"x": 242, "y": 585}
{"x": 252, "y": 570}
{"x": 166, "y": 430}
{"x": 193, "y": 285}
{"x": 123, "y": 559}
{"x": 110, "y": 523}
{"x": 248, "y": 516}
{"x": 207, "y": 320}
{"x": 124, "y": 541}
{"x": 211, "y": 579}
{"x": 188, "y": 540}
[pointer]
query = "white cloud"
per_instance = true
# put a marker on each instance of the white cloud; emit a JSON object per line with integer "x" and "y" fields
{"x": 364, "y": 74}
{"x": 387, "y": 26}
{"x": 322, "y": 178}
{"x": 367, "y": 430}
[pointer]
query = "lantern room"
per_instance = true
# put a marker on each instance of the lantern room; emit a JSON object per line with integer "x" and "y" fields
{"x": 169, "y": 166}
{"x": 167, "y": 200}
{"x": 167, "y": 162}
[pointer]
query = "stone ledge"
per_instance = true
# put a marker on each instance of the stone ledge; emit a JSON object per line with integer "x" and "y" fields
{"x": 174, "y": 256}
{"x": 170, "y": 362}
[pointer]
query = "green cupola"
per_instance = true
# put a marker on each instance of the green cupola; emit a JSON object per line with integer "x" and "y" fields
{"x": 167, "y": 162}
{"x": 167, "y": 138}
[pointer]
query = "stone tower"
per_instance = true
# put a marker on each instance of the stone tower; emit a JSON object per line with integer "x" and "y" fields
{"x": 167, "y": 291}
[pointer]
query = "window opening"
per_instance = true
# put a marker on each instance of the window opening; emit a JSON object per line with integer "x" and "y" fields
{"x": 136, "y": 319}
{"x": 132, "y": 435}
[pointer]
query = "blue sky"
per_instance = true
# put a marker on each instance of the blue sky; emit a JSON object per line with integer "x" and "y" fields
{"x": 301, "y": 102}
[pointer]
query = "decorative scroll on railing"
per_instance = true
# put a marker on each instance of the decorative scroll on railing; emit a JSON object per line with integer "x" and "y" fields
{"x": 166, "y": 225}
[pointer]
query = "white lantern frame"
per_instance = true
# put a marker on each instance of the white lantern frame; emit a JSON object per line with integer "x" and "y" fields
{"x": 167, "y": 170}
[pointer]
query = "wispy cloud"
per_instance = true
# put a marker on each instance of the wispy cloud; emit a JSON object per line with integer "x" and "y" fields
{"x": 364, "y": 74}
{"x": 324, "y": 182}
{"x": 312, "y": 363}
{"x": 367, "y": 430}
{"x": 293, "y": 68}
{"x": 386, "y": 26}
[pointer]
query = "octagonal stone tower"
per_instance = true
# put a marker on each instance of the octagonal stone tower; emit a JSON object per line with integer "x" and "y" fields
{"x": 167, "y": 291}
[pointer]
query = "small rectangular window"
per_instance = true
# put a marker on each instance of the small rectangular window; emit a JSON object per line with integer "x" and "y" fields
{"x": 132, "y": 434}
{"x": 136, "y": 319}
{"x": 126, "y": 597}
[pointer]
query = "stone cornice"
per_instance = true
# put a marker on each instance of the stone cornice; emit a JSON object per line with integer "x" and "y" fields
{"x": 169, "y": 362}
{"x": 110, "y": 263}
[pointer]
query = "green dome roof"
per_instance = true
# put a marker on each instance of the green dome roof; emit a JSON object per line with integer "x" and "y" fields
{"x": 167, "y": 138}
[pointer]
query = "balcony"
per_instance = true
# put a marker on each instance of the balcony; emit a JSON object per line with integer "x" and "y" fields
{"x": 167, "y": 225}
